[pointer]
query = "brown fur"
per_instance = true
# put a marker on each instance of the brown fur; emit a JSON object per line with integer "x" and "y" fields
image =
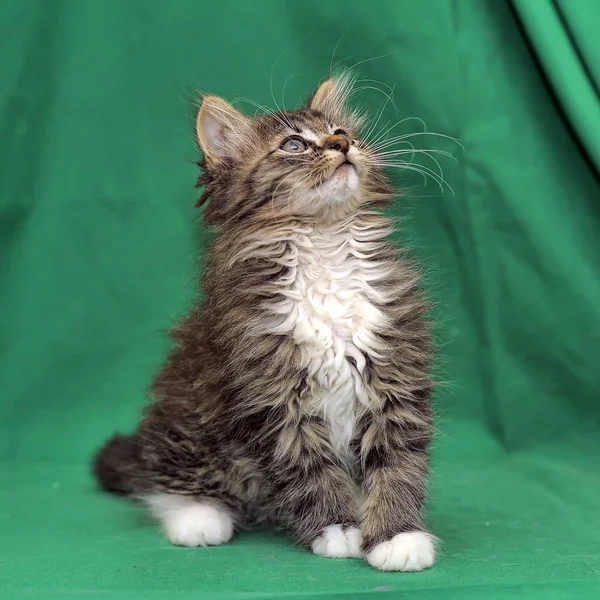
{"x": 228, "y": 420}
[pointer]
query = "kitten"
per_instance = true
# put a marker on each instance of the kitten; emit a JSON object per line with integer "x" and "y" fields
{"x": 300, "y": 384}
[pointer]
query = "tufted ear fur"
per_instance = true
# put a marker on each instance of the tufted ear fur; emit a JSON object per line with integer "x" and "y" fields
{"x": 332, "y": 95}
{"x": 220, "y": 129}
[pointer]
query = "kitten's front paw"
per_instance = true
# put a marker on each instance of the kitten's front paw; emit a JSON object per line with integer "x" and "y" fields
{"x": 412, "y": 551}
{"x": 198, "y": 525}
{"x": 337, "y": 542}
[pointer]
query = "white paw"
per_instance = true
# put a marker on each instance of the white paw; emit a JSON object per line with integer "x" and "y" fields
{"x": 190, "y": 523}
{"x": 413, "y": 551}
{"x": 335, "y": 542}
{"x": 198, "y": 525}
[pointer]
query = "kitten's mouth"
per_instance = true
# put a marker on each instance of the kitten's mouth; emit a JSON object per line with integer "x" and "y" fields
{"x": 347, "y": 165}
{"x": 344, "y": 175}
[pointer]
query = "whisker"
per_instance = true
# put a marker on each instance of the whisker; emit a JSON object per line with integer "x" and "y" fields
{"x": 283, "y": 89}
{"x": 366, "y": 135}
{"x": 278, "y": 116}
{"x": 362, "y": 62}
{"x": 385, "y": 85}
{"x": 381, "y": 111}
{"x": 372, "y": 87}
{"x": 385, "y": 133}
{"x": 439, "y": 179}
{"x": 412, "y": 151}
{"x": 333, "y": 53}
{"x": 272, "y": 71}
{"x": 418, "y": 151}
{"x": 417, "y": 133}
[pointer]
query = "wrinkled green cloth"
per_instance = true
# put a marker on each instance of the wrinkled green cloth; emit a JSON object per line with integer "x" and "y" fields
{"x": 564, "y": 36}
{"x": 99, "y": 254}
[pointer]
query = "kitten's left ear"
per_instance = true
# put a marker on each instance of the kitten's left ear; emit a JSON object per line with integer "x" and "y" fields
{"x": 332, "y": 95}
{"x": 220, "y": 129}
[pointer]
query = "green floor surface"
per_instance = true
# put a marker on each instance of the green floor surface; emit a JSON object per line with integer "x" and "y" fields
{"x": 518, "y": 525}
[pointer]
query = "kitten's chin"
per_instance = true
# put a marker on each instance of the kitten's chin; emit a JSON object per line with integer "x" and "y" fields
{"x": 341, "y": 186}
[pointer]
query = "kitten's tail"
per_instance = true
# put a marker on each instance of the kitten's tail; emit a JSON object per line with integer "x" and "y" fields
{"x": 116, "y": 465}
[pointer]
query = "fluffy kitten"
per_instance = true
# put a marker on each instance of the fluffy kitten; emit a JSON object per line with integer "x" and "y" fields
{"x": 297, "y": 392}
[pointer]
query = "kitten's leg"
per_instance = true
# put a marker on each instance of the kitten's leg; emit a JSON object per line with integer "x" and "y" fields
{"x": 190, "y": 522}
{"x": 395, "y": 461}
{"x": 198, "y": 493}
{"x": 314, "y": 496}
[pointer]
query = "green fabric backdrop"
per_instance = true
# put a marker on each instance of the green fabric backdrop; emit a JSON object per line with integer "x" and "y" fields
{"x": 98, "y": 255}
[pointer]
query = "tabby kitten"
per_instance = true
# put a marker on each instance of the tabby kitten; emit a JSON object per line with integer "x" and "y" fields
{"x": 297, "y": 393}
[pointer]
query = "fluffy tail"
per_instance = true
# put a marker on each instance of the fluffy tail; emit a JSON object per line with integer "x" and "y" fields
{"x": 117, "y": 465}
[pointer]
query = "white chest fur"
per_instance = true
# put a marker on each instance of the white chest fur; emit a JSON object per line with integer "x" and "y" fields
{"x": 329, "y": 307}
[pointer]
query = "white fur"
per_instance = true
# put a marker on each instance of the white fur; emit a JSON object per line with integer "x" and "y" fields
{"x": 334, "y": 542}
{"x": 307, "y": 134}
{"x": 341, "y": 187}
{"x": 327, "y": 306}
{"x": 413, "y": 551}
{"x": 337, "y": 189}
{"x": 190, "y": 523}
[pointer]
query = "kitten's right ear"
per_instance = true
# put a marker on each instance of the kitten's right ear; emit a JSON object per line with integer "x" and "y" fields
{"x": 220, "y": 129}
{"x": 331, "y": 96}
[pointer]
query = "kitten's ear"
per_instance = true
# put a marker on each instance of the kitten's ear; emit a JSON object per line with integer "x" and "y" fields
{"x": 220, "y": 128}
{"x": 331, "y": 96}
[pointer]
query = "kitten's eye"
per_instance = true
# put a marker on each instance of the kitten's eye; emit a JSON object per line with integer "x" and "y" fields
{"x": 340, "y": 132}
{"x": 294, "y": 144}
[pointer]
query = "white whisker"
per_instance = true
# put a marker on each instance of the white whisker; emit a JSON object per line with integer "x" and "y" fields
{"x": 333, "y": 53}
{"x": 383, "y": 135}
{"x": 272, "y": 71}
{"x": 417, "y": 133}
{"x": 381, "y": 111}
{"x": 389, "y": 96}
{"x": 362, "y": 62}
{"x": 283, "y": 90}
{"x": 418, "y": 151}
{"x": 425, "y": 171}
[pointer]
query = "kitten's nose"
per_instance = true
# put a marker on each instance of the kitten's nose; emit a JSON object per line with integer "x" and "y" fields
{"x": 337, "y": 142}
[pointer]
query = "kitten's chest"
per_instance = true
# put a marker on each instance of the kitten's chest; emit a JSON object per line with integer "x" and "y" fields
{"x": 333, "y": 318}
{"x": 334, "y": 315}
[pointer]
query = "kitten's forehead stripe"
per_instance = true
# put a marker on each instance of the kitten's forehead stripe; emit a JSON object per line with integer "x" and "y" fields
{"x": 307, "y": 134}
{"x": 297, "y": 121}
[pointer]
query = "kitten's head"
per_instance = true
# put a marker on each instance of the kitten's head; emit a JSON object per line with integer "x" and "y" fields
{"x": 306, "y": 162}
